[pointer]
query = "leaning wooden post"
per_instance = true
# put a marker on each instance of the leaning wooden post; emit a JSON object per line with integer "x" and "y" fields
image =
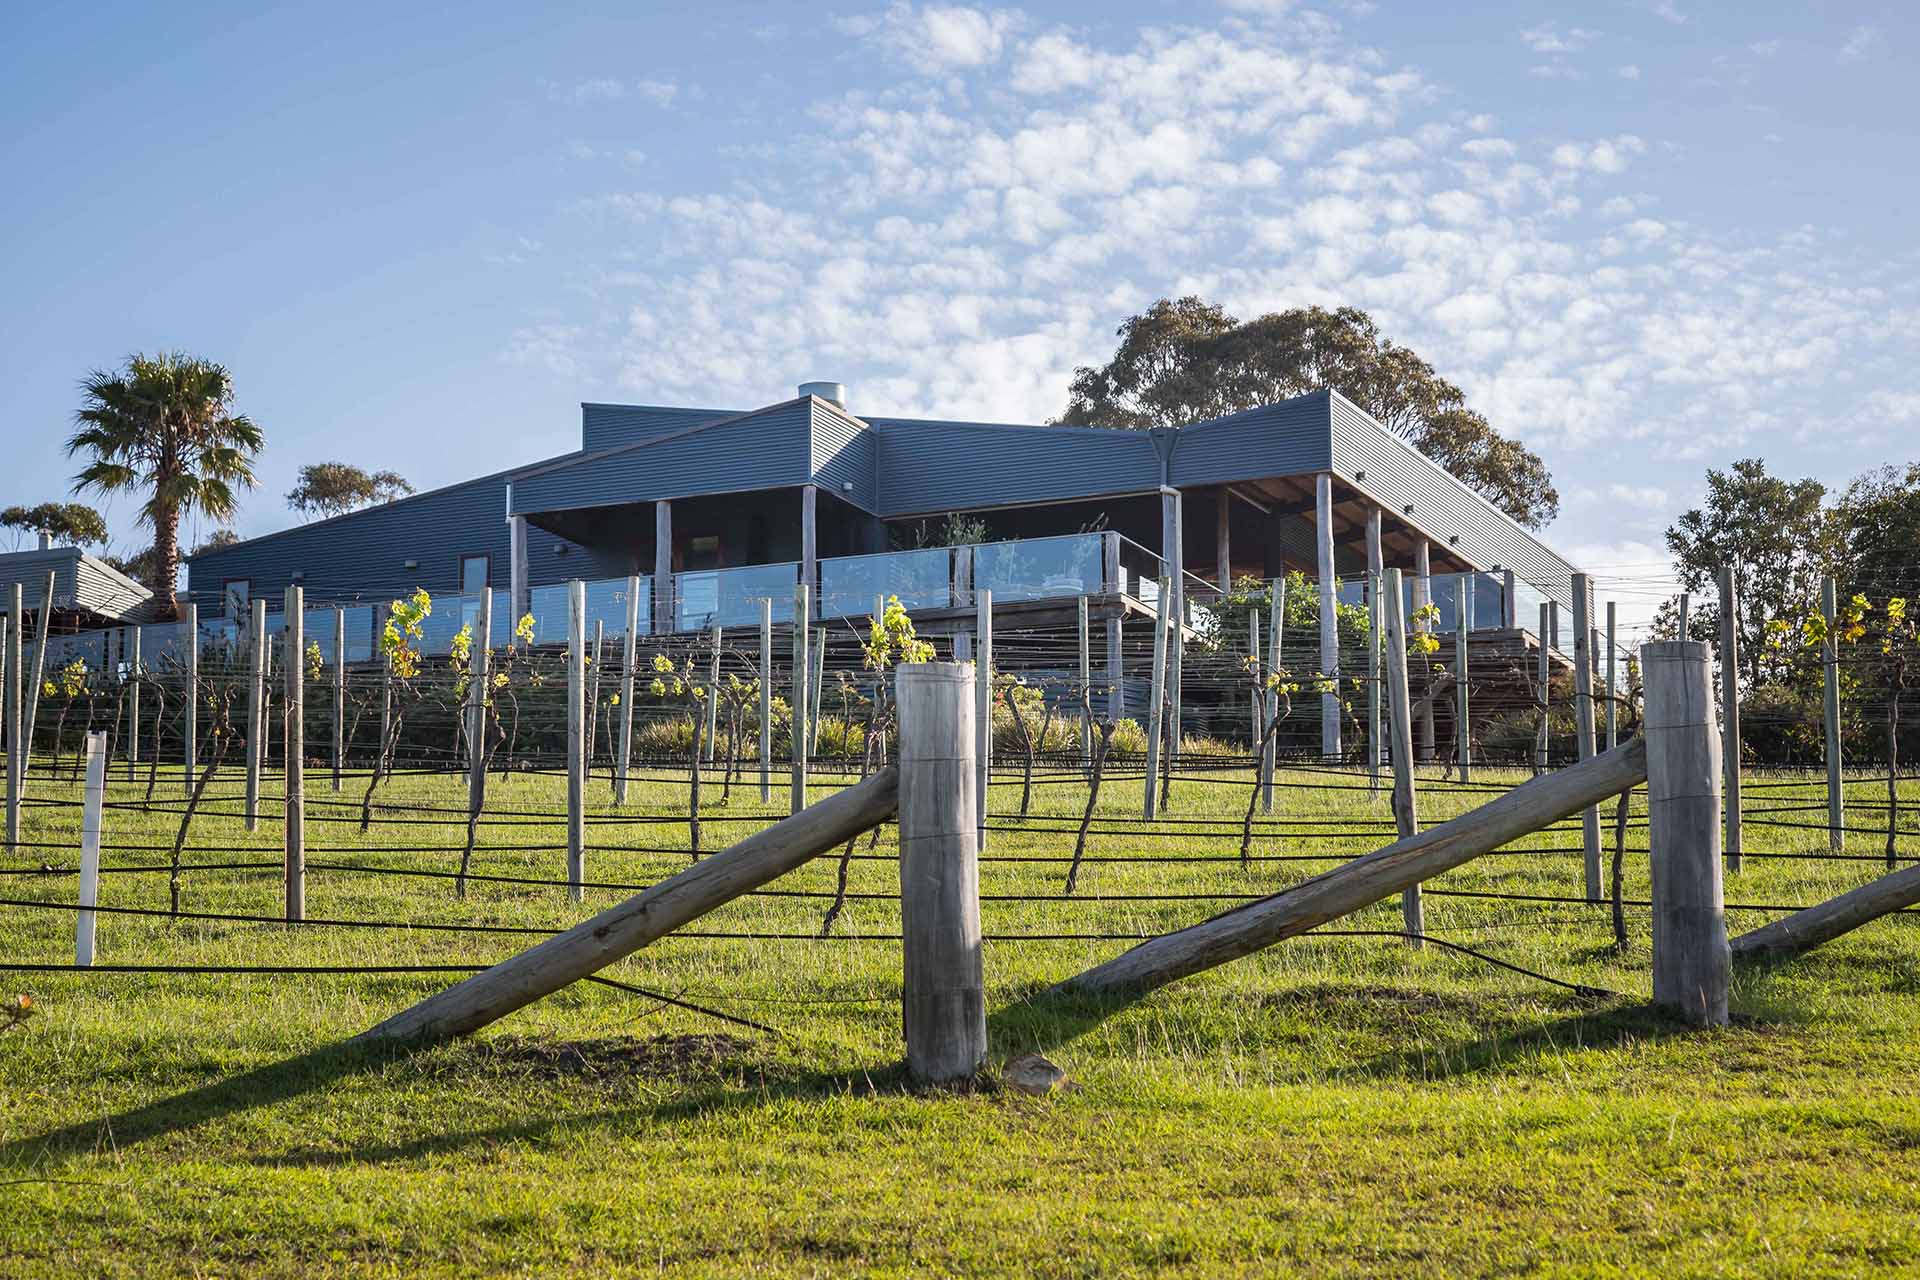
{"x": 630, "y": 654}
{"x": 1086, "y": 683}
{"x": 1276, "y": 628}
{"x": 943, "y": 994}
{"x": 42, "y": 622}
{"x": 983, "y": 710}
{"x": 1154, "y": 706}
{"x": 576, "y": 739}
{"x": 15, "y": 756}
{"x": 1691, "y": 962}
{"x": 1406, "y": 813}
{"x": 1463, "y": 724}
{"x": 766, "y": 700}
{"x": 1376, "y": 602}
{"x": 191, "y": 751}
{"x": 797, "y": 737}
{"x": 1830, "y": 663}
{"x": 713, "y": 694}
{"x": 1583, "y": 720}
{"x": 1730, "y": 709}
{"x": 133, "y": 704}
{"x": 256, "y": 708}
{"x": 479, "y": 678}
{"x": 90, "y": 847}
{"x": 295, "y": 817}
{"x": 340, "y": 692}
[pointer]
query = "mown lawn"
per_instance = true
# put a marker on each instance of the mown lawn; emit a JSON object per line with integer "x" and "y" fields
{"x": 1339, "y": 1105}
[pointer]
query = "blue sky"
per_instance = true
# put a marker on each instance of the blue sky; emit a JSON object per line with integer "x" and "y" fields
{"x": 1646, "y": 237}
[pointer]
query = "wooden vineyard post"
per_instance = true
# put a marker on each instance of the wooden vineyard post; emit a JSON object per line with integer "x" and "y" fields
{"x": 1257, "y": 699}
{"x": 90, "y": 848}
{"x": 576, "y": 739}
{"x": 1422, "y": 597}
{"x": 1086, "y": 683}
{"x": 38, "y": 678}
{"x": 1462, "y": 723}
{"x": 1730, "y": 710}
{"x": 1276, "y": 628}
{"x": 191, "y": 749}
{"x": 766, "y": 700}
{"x": 1406, "y": 814}
{"x": 713, "y": 695}
{"x": 1376, "y": 602}
{"x": 1613, "y": 681}
{"x": 339, "y": 693}
{"x": 256, "y": 709}
{"x": 1156, "y": 704}
{"x": 1329, "y": 613}
{"x": 797, "y": 736}
{"x": 1583, "y": 720}
{"x": 133, "y": 703}
{"x": 479, "y": 678}
{"x": 983, "y": 712}
{"x": 1545, "y": 676}
{"x": 943, "y": 992}
{"x": 1691, "y": 961}
{"x": 14, "y": 754}
{"x": 295, "y": 818}
{"x": 816, "y": 682}
{"x": 596, "y": 663}
{"x": 629, "y": 655}
{"x": 383, "y": 757}
{"x": 1830, "y": 708}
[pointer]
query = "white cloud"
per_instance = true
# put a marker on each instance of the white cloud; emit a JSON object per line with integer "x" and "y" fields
{"x": 585, "y": 92}
{"x": 935, "y": 38}
{"x": 1860, "y": 41}
{"x": 1764, "y": 48}
{"x": 1630, "y": 71}
{"x": 1608, "y": 155}
{"x": 1666, "y": 9}
{"x": 659, "y": 92}
{"x": 1645, "y": 496}
{"x": 1548, "y": 38}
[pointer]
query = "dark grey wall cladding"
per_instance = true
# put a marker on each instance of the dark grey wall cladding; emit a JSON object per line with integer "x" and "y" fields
{"x": 942, "y": 466}
{"x": 78, "y": 581}
{"x": 1293, "y": 437}
{"x": 363, "y": 555}
{"x": 605, "y": 426}
{"x": 770, "y": 449}
{"x": 1398, "y": 476}
{"x": 844, "y": 457}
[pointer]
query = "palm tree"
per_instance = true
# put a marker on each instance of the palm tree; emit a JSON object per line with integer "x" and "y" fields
{"x": 165, "y": 426}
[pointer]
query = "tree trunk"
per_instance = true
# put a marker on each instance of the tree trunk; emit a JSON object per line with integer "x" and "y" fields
{"x": 166, "y": 562}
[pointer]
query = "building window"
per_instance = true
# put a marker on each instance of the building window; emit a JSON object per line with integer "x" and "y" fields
{"x": 236, "y": 596}
{"x": 475, "y": 573}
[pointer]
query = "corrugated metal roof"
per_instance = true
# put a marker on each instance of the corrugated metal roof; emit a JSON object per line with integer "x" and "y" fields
{"x": 607, "y": 426}
{"x": 929, "y": 466}
{"x": 80, "y": 581}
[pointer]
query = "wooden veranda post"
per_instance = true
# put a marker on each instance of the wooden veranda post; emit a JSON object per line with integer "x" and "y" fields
{"x": 1155, "y": 707}
{"x": 295, "y": 750}
{"x": 1830, "y": 706}
{"x": 1691, "y": 961}
{"x": 1376, "y": 624}
{"x": 1406, "y": 813}
{"x": 943, "y": 991}
{"x": 576, "y": 739}
{"x": 1730, "y": 709}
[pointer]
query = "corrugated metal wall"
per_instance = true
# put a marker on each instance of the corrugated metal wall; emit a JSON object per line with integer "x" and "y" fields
{"x": 1398, "y": 476}
{"x": 929, "y": 466}
{"x": 80, "y": 581}
{"x": 843, "y": 455}
{"x": 1290, "y": 438}
{"x": 607, "y": 426}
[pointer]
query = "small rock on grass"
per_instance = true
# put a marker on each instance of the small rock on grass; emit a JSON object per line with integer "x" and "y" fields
{"x": 1035, "y": 1074}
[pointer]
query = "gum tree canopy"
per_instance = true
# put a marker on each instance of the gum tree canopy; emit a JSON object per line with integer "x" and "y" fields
{"x": 335, "y": 488}
{"x": 1187, "y": 361}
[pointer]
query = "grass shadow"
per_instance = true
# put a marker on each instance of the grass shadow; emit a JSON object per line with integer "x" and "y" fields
{"x": 1613, "y": 1024}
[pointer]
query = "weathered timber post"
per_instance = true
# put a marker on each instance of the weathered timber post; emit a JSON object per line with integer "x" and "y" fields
{"x": 816, "y": 702}
{"x": 340, "y": 692}
{"x": 1329, "y": 612}
{"x": 1406, "y": 814}
{"x": 1730, "y": 709}
{"x": 39, "y": 677}
{"x": 576, "y": 739}
{"x": 191, "y": 751}
{"x": 766, "y": 700}
{"x": 1116, "y": 669}
{"x": 1422, "y": 597}
{"x": 294, "y": 819}
{"x": 1691, "y": 961}
{"x": 621, "y": 930}
{"x": 1154, "y": 706}
{"x": 1086, "y": 684}
{"x": 90, "y": 847}
{"x": 133, "y": 704}
{"x": 1276, "y": 629}
{"x": 1583, "y": 721}
{"x": 797, "y": 737}
{"x": 1830, "y": 706}
{"x": 1613, "y": 682}
{"x": 713, "y": 695}
{"x": 15, "y": 775}
{"x": 1376, "y": 603}
{"x": 983, "y": 711}
{"x": 596, "y": 663}
{"x": 1257, "y": 699}
{"x": 1463, "y": 724}
{"x": 478, "y": 692}
{"x": 943, "y": 992}
{"x": 629, "y": 655}
{"x": 1810, "y": 927}
{"x": 1686, "y": 613}
{"x": 1545, "y": 678}
{"x": 256, "y": 708}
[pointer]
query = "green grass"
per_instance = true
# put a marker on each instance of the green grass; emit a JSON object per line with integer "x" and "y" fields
{"x": 1333, "y": 1106}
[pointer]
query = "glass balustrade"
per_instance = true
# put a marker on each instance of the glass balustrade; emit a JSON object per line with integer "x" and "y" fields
{"x": 922, "y": 579}
{"x": 1039, "y": 568}
{"x": 731, "y": 597}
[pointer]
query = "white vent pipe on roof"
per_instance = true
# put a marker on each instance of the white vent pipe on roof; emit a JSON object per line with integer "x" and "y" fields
{"x": 834, "y": 391}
